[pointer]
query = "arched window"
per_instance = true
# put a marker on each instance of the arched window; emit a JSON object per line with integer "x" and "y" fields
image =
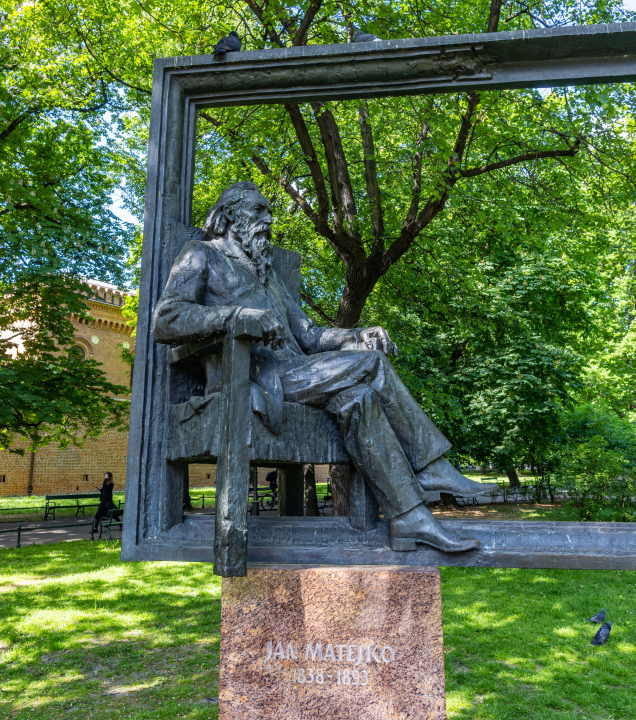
{"x": 77, "y": 351}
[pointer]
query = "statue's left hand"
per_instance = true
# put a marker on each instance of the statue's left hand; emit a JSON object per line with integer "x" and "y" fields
{"x": 377, "y": 338}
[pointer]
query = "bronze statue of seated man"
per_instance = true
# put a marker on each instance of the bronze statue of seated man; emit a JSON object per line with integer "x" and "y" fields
{"x": 391, "y": 441}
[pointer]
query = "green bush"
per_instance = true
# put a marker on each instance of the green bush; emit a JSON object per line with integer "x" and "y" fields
{"x": 600, "y": 481}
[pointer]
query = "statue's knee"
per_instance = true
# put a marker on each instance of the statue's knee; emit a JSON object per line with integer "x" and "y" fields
{"x": 368, "y": 402}
{"x": 356, "y": 400}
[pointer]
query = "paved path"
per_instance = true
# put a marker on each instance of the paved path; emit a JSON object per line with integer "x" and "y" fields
{"x": 49, "y": 532}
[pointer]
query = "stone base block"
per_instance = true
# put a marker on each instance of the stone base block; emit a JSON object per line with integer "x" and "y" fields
{"x": 332, "y": 643}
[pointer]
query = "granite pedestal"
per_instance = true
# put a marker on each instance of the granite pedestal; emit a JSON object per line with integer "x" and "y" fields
{"x": 343, "y": 643}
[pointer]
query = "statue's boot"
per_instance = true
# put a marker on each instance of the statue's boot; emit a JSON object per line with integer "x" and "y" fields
{"x": 419, "y": 526}
{"x": 441, "y": 476}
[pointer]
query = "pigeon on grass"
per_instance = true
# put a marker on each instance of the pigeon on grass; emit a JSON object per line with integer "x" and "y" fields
{"x": 365, "y": 37}
{"x": 599, "y": 617}
{"x": 229, "y": 43}
{"x": 602, "y": 634}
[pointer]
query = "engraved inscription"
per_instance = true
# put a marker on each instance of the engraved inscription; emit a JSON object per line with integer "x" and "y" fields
{"x": 371, "y": 654}
{"x": 332, "y": 643}
{"x": 340, "y": 677}
{"x": 356, "y": 654}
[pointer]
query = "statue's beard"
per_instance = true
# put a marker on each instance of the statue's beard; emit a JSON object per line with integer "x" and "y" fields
{"x": 255, "y": 240}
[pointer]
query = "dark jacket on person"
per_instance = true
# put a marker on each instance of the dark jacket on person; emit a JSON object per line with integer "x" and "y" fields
{"x": 272, "y": 480}
{"x": 106, "y": 496}
{"x": 105, "y": 502}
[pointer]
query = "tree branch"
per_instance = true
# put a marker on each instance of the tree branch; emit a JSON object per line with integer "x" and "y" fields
{"x": 534, "y": 155}
{"x": 351, "y": 28}
{"x": 438, "y": 198}
{"x": 434, "y": 205}
{"x": 457, "y": 155}
{"x": 273, "y": 35}
{"x": 158, "y": 21}
{"x": 116, "y": 78}
{"x": 417, "y": 178}
{"x": 17, "y": 122}
{"x": 299, "y": 37}
{"x": 493, "y": 19}
{"x": 311, "y": 160}
{"x": 92, "y": 108}
{"x": 319, "y": 223}
{"x": 106, "y": 69}
{"x": 18, "y": 206}
{"x": 317, "y": 309}
{"x": 371, "y": 177}
{"x": 346, "y": 214}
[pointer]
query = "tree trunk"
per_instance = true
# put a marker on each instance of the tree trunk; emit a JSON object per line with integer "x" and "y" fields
{"x": 31, "y": 473}
{"x": 355, "y": 293}
{"x": 448, "y": 500}
{"x": 311, "y": 499}
{"x": 340, "y": 489}
{"x": 511, "y": 472}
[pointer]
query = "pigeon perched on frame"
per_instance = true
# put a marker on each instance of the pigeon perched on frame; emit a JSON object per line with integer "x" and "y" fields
{"x": 599, "y": 617}
{"x": 229, "y": 43}
{"x": 365, "y": 37}
{"x": 602, "y": 634}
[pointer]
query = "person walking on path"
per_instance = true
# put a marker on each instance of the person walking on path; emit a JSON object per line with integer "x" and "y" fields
{"x": 272, "y": 480}
{"x": 105, "y": 499}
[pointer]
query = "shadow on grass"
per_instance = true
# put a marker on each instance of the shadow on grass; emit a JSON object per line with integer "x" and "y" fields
{"x": 84, "y": 635}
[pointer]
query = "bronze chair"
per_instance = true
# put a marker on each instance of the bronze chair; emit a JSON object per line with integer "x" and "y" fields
{"x": 220, "y": 427}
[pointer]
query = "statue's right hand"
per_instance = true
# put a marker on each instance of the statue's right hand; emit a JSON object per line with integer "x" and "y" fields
{"x": 273, "y": 331}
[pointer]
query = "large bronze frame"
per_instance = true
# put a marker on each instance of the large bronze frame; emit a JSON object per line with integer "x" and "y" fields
{"x": 155, "y": 527}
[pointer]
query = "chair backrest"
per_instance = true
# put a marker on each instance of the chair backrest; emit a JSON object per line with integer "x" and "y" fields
{"x": 287, "y": 265}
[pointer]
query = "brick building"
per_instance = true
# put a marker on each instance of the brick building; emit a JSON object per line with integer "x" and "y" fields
{"x": 51, "y": 470}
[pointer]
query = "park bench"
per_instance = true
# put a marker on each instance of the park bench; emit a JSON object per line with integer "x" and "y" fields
{"x": 114, "y": 519}
{"x": 52, "y": 503}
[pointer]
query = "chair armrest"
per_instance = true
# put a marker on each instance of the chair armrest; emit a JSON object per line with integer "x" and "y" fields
{"x": 243, "y": 329}
{"x": 233, "y": 465}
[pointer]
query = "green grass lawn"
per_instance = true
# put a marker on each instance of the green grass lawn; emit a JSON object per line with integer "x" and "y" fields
{"x": 83, "y": 635}
{"x": 210, "y": 494}
{"x": 37, "y": 502}
{"x": 11, "y": 508}
{"x": 197, "y": 493}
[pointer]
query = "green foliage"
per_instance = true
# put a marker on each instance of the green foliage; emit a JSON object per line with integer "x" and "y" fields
{"x": 595, "y": 463}
{"x": 610, "y": 378}
{"x": 510, "y": 305}
{"x": 130, "y": 308}
{"x": 493, "y": 357}
{"x": 588, "y": 421}
{"x": 599, "y": 480}
{"x": 58, "y": 169}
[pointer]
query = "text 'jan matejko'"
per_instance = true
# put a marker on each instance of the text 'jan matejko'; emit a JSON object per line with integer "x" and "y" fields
{"x": 329, "y": 652}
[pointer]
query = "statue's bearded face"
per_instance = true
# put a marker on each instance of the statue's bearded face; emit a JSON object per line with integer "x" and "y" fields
{"x": 252, "y": 229}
